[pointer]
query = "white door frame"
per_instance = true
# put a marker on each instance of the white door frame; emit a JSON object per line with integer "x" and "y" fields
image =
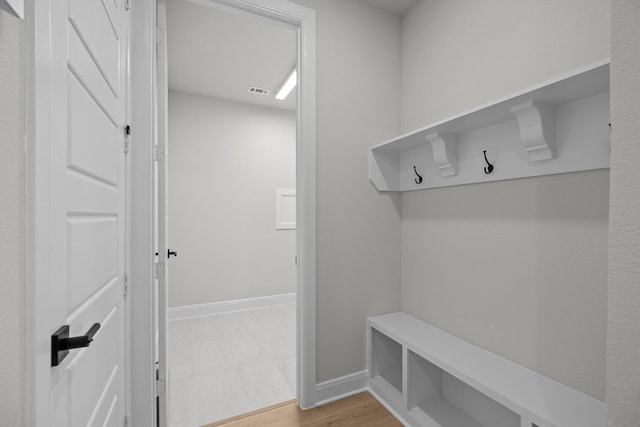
{"x": 142, "y": 197}
{"x": 37, "y": 209}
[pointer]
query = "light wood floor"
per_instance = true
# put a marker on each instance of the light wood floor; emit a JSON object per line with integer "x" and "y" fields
{"x": 358, "y": 410}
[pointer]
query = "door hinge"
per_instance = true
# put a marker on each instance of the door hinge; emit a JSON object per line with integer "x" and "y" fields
{"x": 160, "y": 35}
{"x": 159, "y": 153}
{"x": 161, "y": 387}
{"x": 127, "y": 420}
{"x": 159, "y": 270}
{"x": 127, "y": 138}
{"x": 125, "y": 284}
{"x": 296, "y": 261}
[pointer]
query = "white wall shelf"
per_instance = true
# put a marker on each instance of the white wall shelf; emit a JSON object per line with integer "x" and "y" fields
{"x": 559, "y": 126}
{"x": 430, "y": 378}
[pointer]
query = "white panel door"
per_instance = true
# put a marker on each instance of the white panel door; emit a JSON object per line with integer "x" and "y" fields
{"x": 87, "y": 194}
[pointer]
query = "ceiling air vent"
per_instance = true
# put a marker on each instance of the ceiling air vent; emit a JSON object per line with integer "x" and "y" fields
{"x": 259, "y": 91}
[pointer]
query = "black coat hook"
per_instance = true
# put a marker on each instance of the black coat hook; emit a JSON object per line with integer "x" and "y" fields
{"x": 419, "y": 178}
{"x": 489, "y": 168}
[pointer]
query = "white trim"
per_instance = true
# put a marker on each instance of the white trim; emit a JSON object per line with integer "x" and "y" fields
{"x": 142, "y": 351}
{"x": 142, "y": 248}
{"x": 161, "y": 230}
{"x": 306, "y": 204}
{"x": 342, "y": 387}
{"x": 209, "y": 309}
{"x": 127, "y": 261}
{"x": 37, "y": 212}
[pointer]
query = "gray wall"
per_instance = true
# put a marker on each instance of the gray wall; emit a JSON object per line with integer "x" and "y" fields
{"x": 457, "y": 55}
{"x": 226, "y": 160}
{"x": 623, "y": 340}
{"x": 12, "y": 332}
{"x": 518, "y": 267}
{"x": 358, "y": 230}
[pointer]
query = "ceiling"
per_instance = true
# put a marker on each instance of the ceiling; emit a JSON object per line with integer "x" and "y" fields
{"x": 220, "y": 52}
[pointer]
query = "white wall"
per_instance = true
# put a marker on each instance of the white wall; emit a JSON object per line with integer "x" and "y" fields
{"x": 12, "y": 332}
{"x": 518, "y": 267}
{"x": 460, "y": 54}
{"x": 358, "y": 235}
{"x": 623, "y": 346}
{"x": 226, "y": 160}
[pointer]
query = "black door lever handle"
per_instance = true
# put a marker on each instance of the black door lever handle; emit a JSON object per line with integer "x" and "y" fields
{"x": 170, "y": 253}
{"x": 81, "y": 341}
{"x": 61, "y": 343}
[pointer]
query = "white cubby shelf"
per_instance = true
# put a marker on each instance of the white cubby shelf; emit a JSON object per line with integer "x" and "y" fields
{"x": 430, "y": 378}
{"x": 556, "y": 127}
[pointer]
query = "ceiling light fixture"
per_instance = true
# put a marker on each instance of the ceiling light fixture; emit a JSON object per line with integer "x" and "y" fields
{"x": 287, "y": 86}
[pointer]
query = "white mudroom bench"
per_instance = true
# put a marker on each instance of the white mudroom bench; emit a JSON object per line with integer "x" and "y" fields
{"x": 430, "y": 378}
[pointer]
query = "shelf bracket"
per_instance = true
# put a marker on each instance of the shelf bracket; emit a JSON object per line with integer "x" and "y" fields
{"x": 445, "y": 152}
{"x": 537, "y": 121}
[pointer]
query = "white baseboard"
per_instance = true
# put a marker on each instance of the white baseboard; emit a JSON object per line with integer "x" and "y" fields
{"x": 342, "y": 387}
{"x": 198, "y": 310}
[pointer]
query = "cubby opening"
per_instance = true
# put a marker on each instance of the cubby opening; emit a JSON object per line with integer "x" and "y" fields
{"x": 386, "y": 361}
{"x": 438, "y": 399}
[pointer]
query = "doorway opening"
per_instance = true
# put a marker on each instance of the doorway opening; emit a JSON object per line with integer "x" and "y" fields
{"x": 231, "y": 156}
{"x": 148, "y": 302}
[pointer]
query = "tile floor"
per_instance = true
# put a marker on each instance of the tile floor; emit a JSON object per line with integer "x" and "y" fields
{"x": 228, "y": 364}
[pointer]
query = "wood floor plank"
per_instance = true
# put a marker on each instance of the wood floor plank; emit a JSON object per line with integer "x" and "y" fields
{"x": 286, "y": 411}
{"x": 337, "y": 409}
{"x": 359, "y": 410}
